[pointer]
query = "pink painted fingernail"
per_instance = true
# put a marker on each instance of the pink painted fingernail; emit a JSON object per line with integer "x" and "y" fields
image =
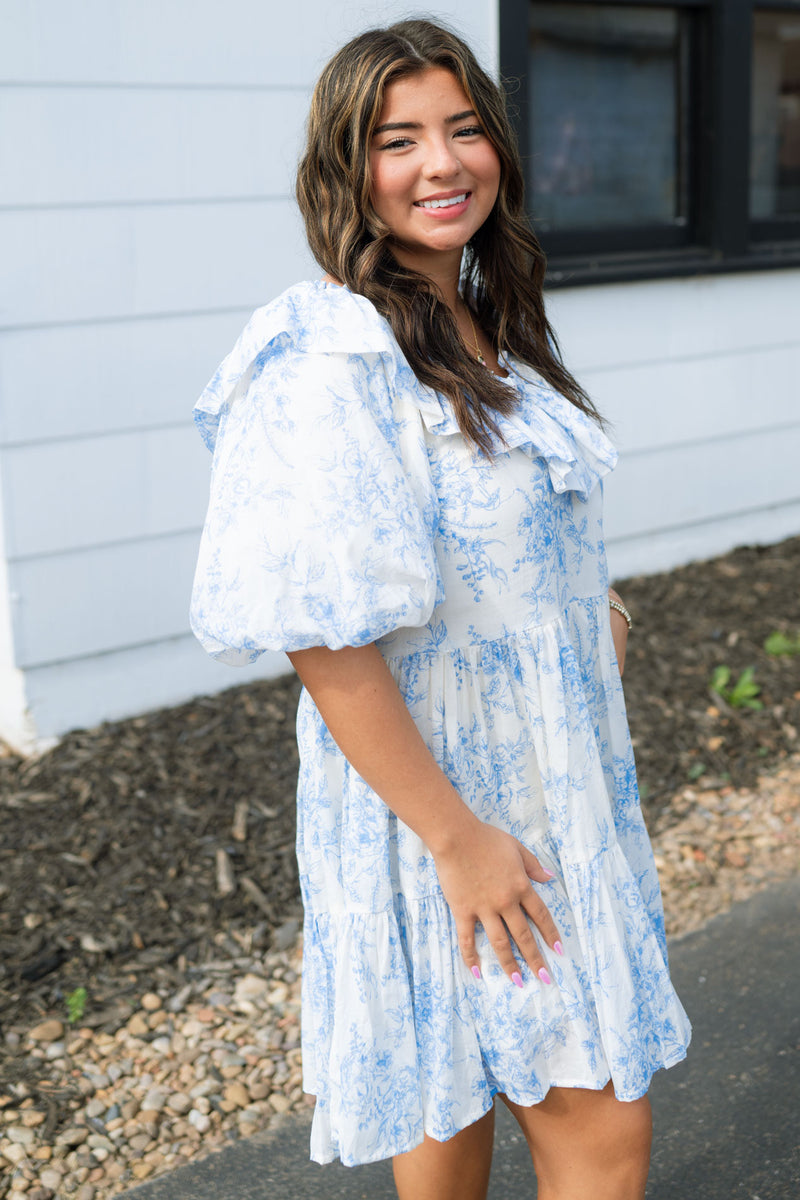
{"x": 549, "y": 874}
{"x": 476, "y": 971}
{"x": 542, "y": 973}
{"x": 517, "y": 979}
{"x": 559, "y": 949}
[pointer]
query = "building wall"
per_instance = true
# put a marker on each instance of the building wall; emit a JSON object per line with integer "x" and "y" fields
{"x": 146, "y": 158}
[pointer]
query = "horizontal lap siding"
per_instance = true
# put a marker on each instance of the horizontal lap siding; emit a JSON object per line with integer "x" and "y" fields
{"x": 646, "y": 553}
{"x": 146, "y": 162}
{"x": 70, "y": 381}
{"x": 650, "y": 323}
{"x": 101, "y": 599}
{"x": 84, "y": 691}
{"x": 688, "y": 400}
{"x": 182, "y": 42}
{"x": 708, "y": 481}
{"x": 203, "y": 43}
{"x": 147, "y": 260}
{"x": 118, "y": 488}
{"x": 104, "y": 478}
{"x": 145, "y": 210}
{"x": 140, "y": 146}
{"x": 700, "y": 379}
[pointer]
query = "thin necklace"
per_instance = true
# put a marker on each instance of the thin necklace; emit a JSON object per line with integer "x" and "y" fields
{"x": 478, "y": 354}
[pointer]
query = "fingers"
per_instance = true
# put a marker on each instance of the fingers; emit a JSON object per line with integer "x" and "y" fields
{"x": 539, "y": 913}
{"x": 497, "y": 933}
{"x": 466, "y": 944}
{"x": 508, "y": 930}
{"x": 533, "y": 868}
{"x": 489, "y": 881}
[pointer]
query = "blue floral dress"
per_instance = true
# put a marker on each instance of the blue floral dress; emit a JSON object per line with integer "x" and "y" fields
{"x": 347, "y": 508}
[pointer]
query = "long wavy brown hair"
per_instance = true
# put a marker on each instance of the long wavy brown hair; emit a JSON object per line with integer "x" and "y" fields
{"x": 503, "y": 267}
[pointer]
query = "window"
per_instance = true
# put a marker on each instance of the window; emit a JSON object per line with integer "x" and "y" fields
{"x": 657, "y": 138}
{"x": 775, "y": 125}
{"x": 606, "y": 142}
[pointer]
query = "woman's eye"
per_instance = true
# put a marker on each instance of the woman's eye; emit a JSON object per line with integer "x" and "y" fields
{"x": 396, "y": 143}
{"x": 469, "y": 131}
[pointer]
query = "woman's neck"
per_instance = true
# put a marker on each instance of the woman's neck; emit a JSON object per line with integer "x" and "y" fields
{"x": 447, "y": 287}
{"x": 443, "y": 270}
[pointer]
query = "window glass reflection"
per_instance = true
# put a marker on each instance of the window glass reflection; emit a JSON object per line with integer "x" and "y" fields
{"x": 605, "y": 108}
{"x": 775, "y": 119}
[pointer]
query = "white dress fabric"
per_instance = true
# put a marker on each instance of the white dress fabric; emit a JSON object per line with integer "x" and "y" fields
{"x": 347, "y": 508}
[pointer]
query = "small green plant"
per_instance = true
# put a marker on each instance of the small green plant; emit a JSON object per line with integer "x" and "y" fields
{"x": 76, "y": 1004}
{"x": 696, "y": 770}
{"x": 742, "y": 694}
{"x": 782, "y": 644}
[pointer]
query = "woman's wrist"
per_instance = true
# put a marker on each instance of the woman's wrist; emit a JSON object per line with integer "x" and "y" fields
{"x": 616, "y": 605}
{"x": 453, "y": 823}
{"x": 620, "y": 621}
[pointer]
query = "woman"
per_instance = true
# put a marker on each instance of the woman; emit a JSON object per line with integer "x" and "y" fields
{"x": 405, "y": 498}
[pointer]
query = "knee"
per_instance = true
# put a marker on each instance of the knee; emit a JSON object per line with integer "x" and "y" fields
{"x": 593, "y": 1145}
{"x": 625, "y": 1136}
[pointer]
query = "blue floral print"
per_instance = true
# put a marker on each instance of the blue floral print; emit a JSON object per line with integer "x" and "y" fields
{"x": 346, "y": 508}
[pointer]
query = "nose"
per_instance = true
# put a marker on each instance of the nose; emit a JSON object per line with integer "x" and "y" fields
{"x": 441, "y": 161}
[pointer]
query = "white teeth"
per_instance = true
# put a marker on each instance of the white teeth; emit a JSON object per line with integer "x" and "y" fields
{"x": 443, "y": 203}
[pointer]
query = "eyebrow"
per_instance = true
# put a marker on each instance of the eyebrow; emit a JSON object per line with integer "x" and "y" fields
{"x": 470, "y": 112}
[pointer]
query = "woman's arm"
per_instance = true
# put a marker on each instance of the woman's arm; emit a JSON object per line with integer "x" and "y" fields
{"x": 484, "y": 872}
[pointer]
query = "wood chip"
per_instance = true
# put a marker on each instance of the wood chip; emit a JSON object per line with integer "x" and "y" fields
{"x": 226, "y": 880}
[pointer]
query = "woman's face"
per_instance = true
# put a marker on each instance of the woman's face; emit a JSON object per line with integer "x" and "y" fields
{"x": 435, "y": 174}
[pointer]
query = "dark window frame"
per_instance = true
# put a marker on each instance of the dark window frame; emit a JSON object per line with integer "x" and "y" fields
{"x": 721, "y": 235}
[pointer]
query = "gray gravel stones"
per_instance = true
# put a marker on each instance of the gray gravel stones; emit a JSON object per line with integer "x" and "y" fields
{"x": 716, "y": 847}
{"x": 185, "y": 1074}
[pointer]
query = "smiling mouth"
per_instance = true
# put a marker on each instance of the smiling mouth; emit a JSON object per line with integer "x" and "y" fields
{"x": 448, "y": 203}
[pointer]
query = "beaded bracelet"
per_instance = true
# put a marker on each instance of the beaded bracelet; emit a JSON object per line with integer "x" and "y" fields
{"x": 621, "y": 609}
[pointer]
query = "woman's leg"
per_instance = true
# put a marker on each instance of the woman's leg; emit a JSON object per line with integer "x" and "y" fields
{"x": 457, "y": 1169}
{"x": 587, "y": 1144}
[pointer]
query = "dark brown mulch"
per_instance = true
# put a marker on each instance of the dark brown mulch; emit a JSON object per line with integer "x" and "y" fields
{"x": 689, "y": 622}
{"x": 110, "y": 844}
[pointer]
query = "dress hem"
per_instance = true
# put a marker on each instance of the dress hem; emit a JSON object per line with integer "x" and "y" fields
{"x": 526, "y": 1102}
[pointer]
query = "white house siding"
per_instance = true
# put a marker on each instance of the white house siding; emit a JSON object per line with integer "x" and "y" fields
{"x": 701, "y": 379}
{"x": 146, "y": 158}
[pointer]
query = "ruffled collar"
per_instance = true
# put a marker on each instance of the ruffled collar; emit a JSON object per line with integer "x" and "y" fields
{"x": 577, "y": 452}
{"x": 322, "y": 318}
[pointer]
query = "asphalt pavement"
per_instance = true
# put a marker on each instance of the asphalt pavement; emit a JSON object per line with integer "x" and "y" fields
{"x": 727, "y": 1120}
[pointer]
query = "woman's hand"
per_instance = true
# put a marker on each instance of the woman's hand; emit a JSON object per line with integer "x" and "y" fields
{"x": 486, "y": 876}
{"x": 619, "y": 630}
{"x": 484, "y": 872}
